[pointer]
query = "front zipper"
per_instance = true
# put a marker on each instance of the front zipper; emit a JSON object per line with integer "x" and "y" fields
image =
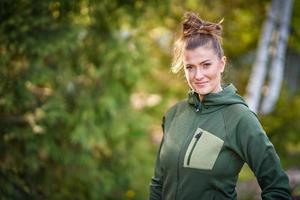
{"x": 198, "y": 105}
{"x": 197, "y": 136}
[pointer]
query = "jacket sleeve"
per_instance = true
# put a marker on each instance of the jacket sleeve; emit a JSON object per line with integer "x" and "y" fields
{"x": 157, "y": 180}
{"x": 260, "y": 155}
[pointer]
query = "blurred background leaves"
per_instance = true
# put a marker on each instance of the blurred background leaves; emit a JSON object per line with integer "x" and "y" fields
{"x": 84, "y": 85}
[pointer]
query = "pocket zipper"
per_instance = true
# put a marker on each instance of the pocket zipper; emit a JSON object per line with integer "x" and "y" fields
{"x": 197, "y": 136}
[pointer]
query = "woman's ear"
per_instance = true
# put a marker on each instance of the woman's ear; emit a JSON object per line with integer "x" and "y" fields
{"x": 223, "y": 63}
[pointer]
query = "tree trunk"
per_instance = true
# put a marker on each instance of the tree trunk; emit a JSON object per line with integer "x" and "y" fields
{"x": 258, "y": 74}
{"x": 277, "y": 66}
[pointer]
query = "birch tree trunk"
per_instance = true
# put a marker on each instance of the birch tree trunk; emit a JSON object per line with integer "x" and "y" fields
{"x": 259, "y": 69}
{"x": 277, "y": 67}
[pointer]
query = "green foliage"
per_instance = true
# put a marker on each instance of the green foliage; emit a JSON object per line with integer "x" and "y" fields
{"x": 68, "y": 130}
{"x": 68, "y": 70}
{"x": 295, "y": 28}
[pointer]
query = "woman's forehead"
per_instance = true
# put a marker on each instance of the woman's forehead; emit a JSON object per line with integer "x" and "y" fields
{"x": 199, "y": 54}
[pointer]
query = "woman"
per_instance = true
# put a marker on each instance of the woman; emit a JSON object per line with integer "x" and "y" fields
{"x": 209, "y": 136}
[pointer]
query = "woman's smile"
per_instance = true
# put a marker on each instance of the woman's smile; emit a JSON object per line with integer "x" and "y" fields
{"x": 201, "y": 83}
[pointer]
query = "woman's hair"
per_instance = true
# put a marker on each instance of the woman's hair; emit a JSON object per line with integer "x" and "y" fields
{"x": 195, "y": 33}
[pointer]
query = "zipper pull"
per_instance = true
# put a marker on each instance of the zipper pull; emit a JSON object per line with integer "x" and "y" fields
{"x": 198, "y": 108}
{"x": 197, "y": 136}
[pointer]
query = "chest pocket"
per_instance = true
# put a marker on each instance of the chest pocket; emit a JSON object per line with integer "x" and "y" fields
{"x": 203, "y": 150}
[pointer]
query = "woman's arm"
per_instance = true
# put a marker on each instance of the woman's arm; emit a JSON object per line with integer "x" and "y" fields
{"x": 157, "y": 179}
{"x": 259, "y": 153}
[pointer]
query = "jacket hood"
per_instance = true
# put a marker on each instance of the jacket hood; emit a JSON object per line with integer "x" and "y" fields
{"x": 215, "y": 101}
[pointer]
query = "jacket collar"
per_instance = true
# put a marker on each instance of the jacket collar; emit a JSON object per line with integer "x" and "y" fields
{"x": 215, "y": 101}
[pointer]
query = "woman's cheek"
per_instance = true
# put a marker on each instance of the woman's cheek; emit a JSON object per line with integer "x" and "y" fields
{"x": 190, "y": 75}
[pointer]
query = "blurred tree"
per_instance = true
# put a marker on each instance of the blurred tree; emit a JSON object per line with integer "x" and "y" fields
{"x": 259, "y": 69}
{"x": 279, "y": 13}
{"x": 277, "y": 67}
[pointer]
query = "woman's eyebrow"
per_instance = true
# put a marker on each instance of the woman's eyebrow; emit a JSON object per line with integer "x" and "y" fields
{"x": 204, "y": 61}
{"x": 190, "y": 64}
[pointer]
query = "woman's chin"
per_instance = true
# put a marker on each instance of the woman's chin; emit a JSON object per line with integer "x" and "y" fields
{"x": 202, "y": 90}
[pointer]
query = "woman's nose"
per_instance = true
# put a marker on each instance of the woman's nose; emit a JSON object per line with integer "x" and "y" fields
{"x": 199, "y": 73}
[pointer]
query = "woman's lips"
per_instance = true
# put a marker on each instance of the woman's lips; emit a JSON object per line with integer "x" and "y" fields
{"x": 201, "y": 83}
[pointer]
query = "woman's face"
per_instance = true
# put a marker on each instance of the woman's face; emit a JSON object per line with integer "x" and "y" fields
{"x": 203, "y": 70}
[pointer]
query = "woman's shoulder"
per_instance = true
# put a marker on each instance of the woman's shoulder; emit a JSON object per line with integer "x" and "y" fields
{"x": 239, "y": 117}
{"x": 238, "y": 111}
{"x": 177, "y": 108}
{"x": 238, "y": 108}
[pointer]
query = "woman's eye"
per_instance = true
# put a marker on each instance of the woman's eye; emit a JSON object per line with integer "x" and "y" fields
{"x": 206, "y": 65}
{"x": 188, "y": 67}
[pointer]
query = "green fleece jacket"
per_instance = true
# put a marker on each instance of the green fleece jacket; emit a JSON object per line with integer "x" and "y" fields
{"x": 205, "y": 145}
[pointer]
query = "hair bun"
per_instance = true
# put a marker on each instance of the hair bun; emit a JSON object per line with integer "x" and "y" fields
{"x": 193, "y": 24}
